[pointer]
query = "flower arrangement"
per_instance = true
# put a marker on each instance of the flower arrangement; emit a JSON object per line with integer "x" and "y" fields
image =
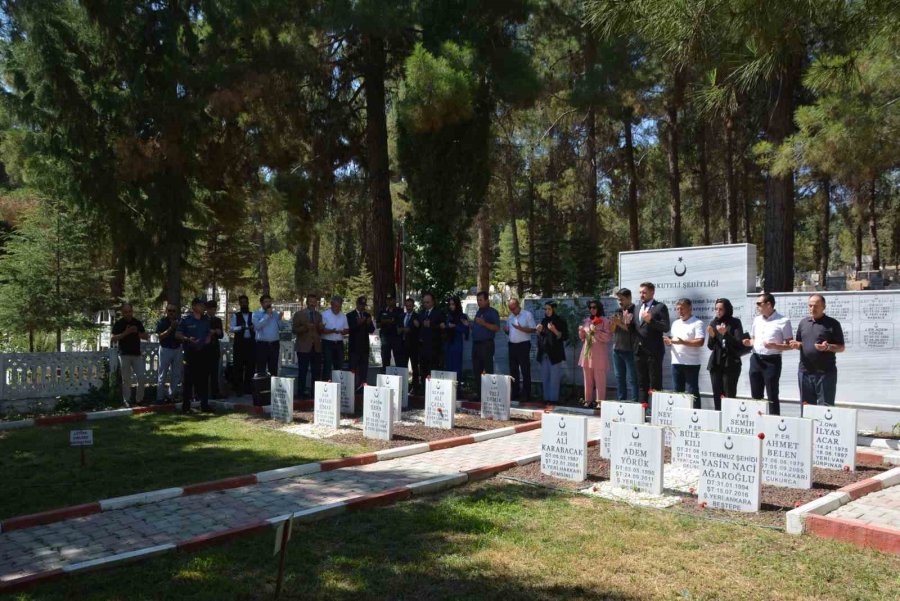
{"x": 589, "y": 332}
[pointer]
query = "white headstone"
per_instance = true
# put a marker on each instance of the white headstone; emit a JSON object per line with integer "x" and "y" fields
{"x": 636, "y": 457}
{"x": 347, "y": 380}
{"x": 403, "y": 372}
{"x": 730, "y": 471}
{"x": 495, "y": 396}
{"x": 283, "y": 399}
{"x": 834, "y": 437}
{"x": 378, "y": 409}
{"x": 440, "y": 403}
{"x": 443, "y": 375}
{"x": 613, "y": 412}
{"x": 661, "y": 406}
{"x": 564, "y": 446}
{"x": 787, "y": 450}
{"x": 687, "y": 425}
{"x": 327, "y": 406}
{"x": 739, "y": 415}
{"x": 394, "y": 383}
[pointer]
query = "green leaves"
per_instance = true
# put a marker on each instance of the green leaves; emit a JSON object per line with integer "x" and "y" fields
{"x": 438, "y": 91}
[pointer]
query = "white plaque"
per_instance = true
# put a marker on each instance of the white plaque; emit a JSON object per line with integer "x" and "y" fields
{"x": 403, "y": 372}
{"x": 613, "y": 412}
{"x": 564, "y": 446}
{"x": 443, "y": 375}
{"x": 687, "y": 425}
{"x": 81, "y": 438}
{"x": 327, "y": 406}
{"x": 394, "y": 383}
{"x": 495, "y": 396}
{"x": 730, "y": 471}
{"x": 834, "y": 437}
{"x": 636, "y": 457}
{"x": 282, "y": 399}
{"x": 440, "y": 403}
{"x": 378, "y": 409}
{"x": 661, "y": 406}
{"x": 739, "y": 415}
{"x": 347, "y": 380}
{"x": 787, "y": 450}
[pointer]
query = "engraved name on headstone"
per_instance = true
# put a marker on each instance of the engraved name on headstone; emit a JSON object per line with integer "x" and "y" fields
{"x": 787, "y": 450}
{"x": 347, "y": 381}
{"x": 687, "y": 425}
{"x": 636, "y": 457}
{"x": 495, "y": 396}
{"x": 730, "y": 471}
{"x": 282, "y": 399}
{"x": 378, "y": 409}
{"x": 739, "y": 415}
{"x": 564, "y": 446}
{"x": 834, "y": 436}
{"x": 327, "y": 406}
{"x": 613, "y": 412}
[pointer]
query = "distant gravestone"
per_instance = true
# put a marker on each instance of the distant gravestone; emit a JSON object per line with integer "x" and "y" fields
{"x": 327, "y": 405}
{"x": 440, "y": 403}
{"x": 614, "y": 412}
{"x": 730, "y": 471}
{"x": 403, "y": 373}
{"x": 347, "y": 381}
{"x": 564, "y": 446}
{"x": 787, "y": 450}
{"x": 636, "y": 457}
{"x": 739, "y": 415}
{"x": 687, "y": 425}
{"x": 394, "y": 383}
{"x": 378, "y": 409}
{"x": 283, "y": 399}
{"x": 834, "y": 436}
{"x": 662, "y": 404}
{"x": 495, "y": 396}
{"x": 443, "y": 375}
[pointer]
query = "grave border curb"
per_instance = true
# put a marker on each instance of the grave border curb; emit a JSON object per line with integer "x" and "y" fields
{"x": 87, "y": 416}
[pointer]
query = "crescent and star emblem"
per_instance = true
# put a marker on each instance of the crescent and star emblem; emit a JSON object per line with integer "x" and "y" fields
{"x": 729, "y": 444}
{"x": 635, "y": 434}
{"x": 562, "y": 423}
{"x": 682, "y": 266}
{"x": 695, "y": 418}
{"x": 621, "y": 411}
{"x": 742, "y": 406}
{"x": 828, "y": 414}
{"x": 782, "y": 427}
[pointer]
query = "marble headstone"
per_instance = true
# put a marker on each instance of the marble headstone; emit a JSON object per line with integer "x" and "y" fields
{"x": 347, "y": 381}
{"x": 282, "y": 399}
{"x": 378, "y": 409}
{"x": 395, "y": 384}
{"x": 687, "y": 425}
{"x": 636, "y": 457}
{"x": 327, "y": 405}
{"x": 443, "y": 375}
{"x": 730, "y": 471}
{"x": 403, "y": 372}
{"x": 662, "y": 404}
{"x": 564, "y": 446}
{"x": 440, "y": 403}
{"x": 613, "y": 412}
{"x": 787, "y": 450}
{"x": 834, "y": 436}
{"x": 739, "y": 415}
{"x": 495, "y": 396}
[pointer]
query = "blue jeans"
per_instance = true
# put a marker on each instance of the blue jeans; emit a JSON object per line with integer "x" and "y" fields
{"x": 687, "y": 379}
{"x": 551, "y": 375}
{"x": 818, "y": 389}
{"x": 626, "y": 369}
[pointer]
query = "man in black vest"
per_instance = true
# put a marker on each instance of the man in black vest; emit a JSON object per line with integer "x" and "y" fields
{"x": 242, "y": 346}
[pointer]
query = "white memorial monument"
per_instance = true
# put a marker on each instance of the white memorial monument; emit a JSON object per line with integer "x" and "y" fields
{"x": 495, "y": 396}
{"x": 403, "y": 373}
{"x": 613, "y": 412}
{"x": 834, "y": 436}
{"x": 661, "y": 406}
{"x": 440, "y": 403}
{"x": 564, "y": 446}
{"x": 739, "y": 415}
{"x": 687, "y": 425}
{"x": 787, "y": 450}
{"x": 378, "y": 409}
{"x": 282, "y": 399}
{"x": 443, "y": 375}
{"x": 395, "y": 384}
{"x": 327, "y": 405}
{"x": 636, "y": 457}
{"x": 730, "y": 471}
{"x": 347, "y": 381}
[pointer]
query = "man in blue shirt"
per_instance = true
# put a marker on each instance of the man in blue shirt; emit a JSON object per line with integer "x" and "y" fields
{"x": 485, "y": 327}
{"x": 266, "y": 323}
{"x": 194, "y": 334}
{"x": 170, "y": 360}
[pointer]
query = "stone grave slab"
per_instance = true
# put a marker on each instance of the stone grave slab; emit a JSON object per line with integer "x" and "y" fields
{"x": 730, "y": 471}
{"x": 687, "y": 425}
{"x": 440, "y": 403}
{"x": 661, "y": 406}
{"x": 403, "y": 372}
{"x": 378, "y": 409}
{"x": 395, "y": 384}
{"x": 282, "y": 399}
{"x": 787, "y": 450}
{"x": 739, "y": 415}
{"x": 564, "y": 446}
{"x": 441, "y": 374}
{"x": 347, "y": 381}
{"x": 327, "y": 405}
{"x": 495, "y": 396}
{"x": 834, "y": 436}
{"x": 613, "y": 412}
{"x": 636, "y": 457}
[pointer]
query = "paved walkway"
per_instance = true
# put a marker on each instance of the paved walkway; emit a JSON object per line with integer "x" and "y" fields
{"x": 880, "y": 508}
{"x": 69, "y": 543}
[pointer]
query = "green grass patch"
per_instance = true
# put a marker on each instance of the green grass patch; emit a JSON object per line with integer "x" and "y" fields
{"x": 498, "y": 540}
{"x": 141, "y": 453}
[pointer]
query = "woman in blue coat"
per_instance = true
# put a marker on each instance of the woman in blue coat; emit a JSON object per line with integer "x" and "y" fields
{"x": 456, "y": 330}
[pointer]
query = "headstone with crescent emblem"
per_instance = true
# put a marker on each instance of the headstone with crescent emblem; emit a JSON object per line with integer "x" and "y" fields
{"x": 403, "y": 372}
{"x": 378, "y": 409}
{"x": 440, "y": 403}
{"x": 834, "y": 436}
{"x": 564, "y": 446}
{"x": 687, "y": 425}
{"x": 636, "y": 457}
{"x": 394, "y": 383}
{"x": 282, "y": 399}
{"x": 327, "y": 405}
{"x": 495, "y": 396}
{"x": 347, "y": 381}
{"x": 662, "y": 404}
{"x": 443, "y": 375}
{"x": 613, "y": 412}
{"x": 739, "y": 415}
{"x": 787, "y": 450}
{"x": 730, "y": 471}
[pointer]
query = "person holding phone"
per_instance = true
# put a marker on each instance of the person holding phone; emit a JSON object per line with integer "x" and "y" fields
{"x": 128, "y": 332}
{"x": 819, "y": 339}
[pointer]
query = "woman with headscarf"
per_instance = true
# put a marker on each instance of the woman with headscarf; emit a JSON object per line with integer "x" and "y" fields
{"x": 594, "y": 356}
{"x": 725, "y": 339}
{"x": 456, "y": 330}
{"x": 551, "y": 354}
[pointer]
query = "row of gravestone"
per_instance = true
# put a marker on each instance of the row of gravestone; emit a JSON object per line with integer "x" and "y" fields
{"x": 732, "y": 462}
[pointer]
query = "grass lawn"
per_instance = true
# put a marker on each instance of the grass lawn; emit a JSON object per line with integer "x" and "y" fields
{"x": 144, "y": 452}
{"x": 502, "y": 540}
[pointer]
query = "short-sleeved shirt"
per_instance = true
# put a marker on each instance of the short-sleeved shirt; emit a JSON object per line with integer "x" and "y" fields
{"x": 191, "y": 327}
{"x": 388, "y": 321}
{"x": 130, "y": 344}
{"x": 776, "y": 328}
{"x": 812, "y": 331}
{"x": 172, "y": 341}
{"x": 334, "y": 321}
{"x": 524, "y": 319}
{"x": 481, "y": 333}
{"x": 692, "y": 329}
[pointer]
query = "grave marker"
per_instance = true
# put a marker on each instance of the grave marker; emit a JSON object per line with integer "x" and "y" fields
{"x": 834, "y": 437}
{"x": 440, "y": 403}
{"x": 495, "y": 396}
{"x": 636, "y": 460}
{"x": 688, "y": 423}
{"x": 662, "y": 404}
{"x": 327, "y": 406}
{"x": 394, "y": 383}
{"x": 564, "y": 446}
{"x": 403, "y": 372}
{"x": 787, "y": 450}
{"x": 730, "y": 471}
{"x": 347, "y": 381}
{"x": 282, "y": 399}
{"x": 739, "y": 415}
{"x": 613, "y": 412}
{"x": 443, "y": 375}
{"x": 378, "y": 412}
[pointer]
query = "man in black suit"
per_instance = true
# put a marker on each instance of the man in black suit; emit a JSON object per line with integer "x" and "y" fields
{"x": 409, "y": 335}
{"x": 429, "y": 321}
{"x": 653, "y": 322}
{"x": 361, "y": 325}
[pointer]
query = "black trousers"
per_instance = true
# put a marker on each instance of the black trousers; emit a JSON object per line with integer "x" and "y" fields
{"x": 267, "y": 357}
{"x": 649, "y": 373}
{"x": 482, "y": 362}
{"x": 724, "y": 383}
{"x": 332, "y": 357}
{"x": 359, "y": 365}
{"x": 311, "y": 363}
{"x": 214, "y": 356}
{"x": 196, "y": 378}
{"x": 244, "y": 364}
{"x": 411, "y": 358}
{"x": 765, "y": 371}
{"x": 392, "y": 346}
{"x": 520, "y": 370}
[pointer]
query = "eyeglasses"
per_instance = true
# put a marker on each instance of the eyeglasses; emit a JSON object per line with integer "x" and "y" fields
{"x": 760, "y": 304}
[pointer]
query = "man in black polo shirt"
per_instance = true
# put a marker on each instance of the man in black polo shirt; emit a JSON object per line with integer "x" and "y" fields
{"x": 818, "y": 338}
{"x": 389, "y": 320}
{"x": 128, "y": 332}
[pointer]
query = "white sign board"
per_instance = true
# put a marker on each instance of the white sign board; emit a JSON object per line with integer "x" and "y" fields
{"x": 443, "y": 375}
{"x": 81, "y": 438}
{"x": 739, "y": 415}
{"x": 283, "y": 399}
{"x": 564, "y": 446}
{"x": 440, "y": 403}
{"x": 636, "y": 457}
{"x": 378, "y": 409}
{"x": 280, "y": 538}
{"x": 347, "y": 381}
{"x": 787, "y": 450}
{"x": 614, "y": 412}
{"x": 687, "y": 425}
{"x": 495, "y": 396}
{"x": 834, "y": 437}
{"x": 327, "y": 405}
{"x": 730, "y": 471}
{"x": 394, "y": 383}
{"x": 403, "y": 373}
{"x": 661, "y": 406}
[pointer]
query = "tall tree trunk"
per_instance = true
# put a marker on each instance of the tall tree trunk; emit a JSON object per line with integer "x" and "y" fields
{"x": 316, "y": 243}
{"x": 30, "y": 342}
{"x": 731, "y": 202}
{"x": 704, "y": 184}
{"x": 485, "y": 249}
{"x": 858, "y": 244}
{"x": 672, "y": 106}
{"x": 632, "y": 207}
{"x": 746, "y": 166}
{"x": 381, "y": 225}
{"x": 517, "y": 257}
{"x": 589, "y": 272}
{"x": 873, "y": 227}
{"x": 117, "y": 277}
{"x": 532, "y": 240}
{"x": 824, "y": 231}
{"x": 262, "y": 255}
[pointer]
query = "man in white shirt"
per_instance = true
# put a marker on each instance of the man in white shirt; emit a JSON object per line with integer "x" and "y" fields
{"x": 334, "y": 328}
{"x": 770, "y": 334}
{"x": 520, "y": 326}
{"x": 685, "y": 338}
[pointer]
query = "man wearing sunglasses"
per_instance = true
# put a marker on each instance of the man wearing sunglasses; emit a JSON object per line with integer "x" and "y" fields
{"x": 170, "y": 359}
{"x": 770, "y": 335}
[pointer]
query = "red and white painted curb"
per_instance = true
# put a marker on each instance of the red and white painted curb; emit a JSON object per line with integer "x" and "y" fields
{"x": 89, "y": 416}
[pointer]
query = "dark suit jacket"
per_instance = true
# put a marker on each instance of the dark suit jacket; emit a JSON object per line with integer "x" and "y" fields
{"x": 411, "y": 337}
{"x": 727, "y": 349}
{"x": 359, "y": 331}
{"x": 650, "y": 334}
{"x": 430, "y": 337}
